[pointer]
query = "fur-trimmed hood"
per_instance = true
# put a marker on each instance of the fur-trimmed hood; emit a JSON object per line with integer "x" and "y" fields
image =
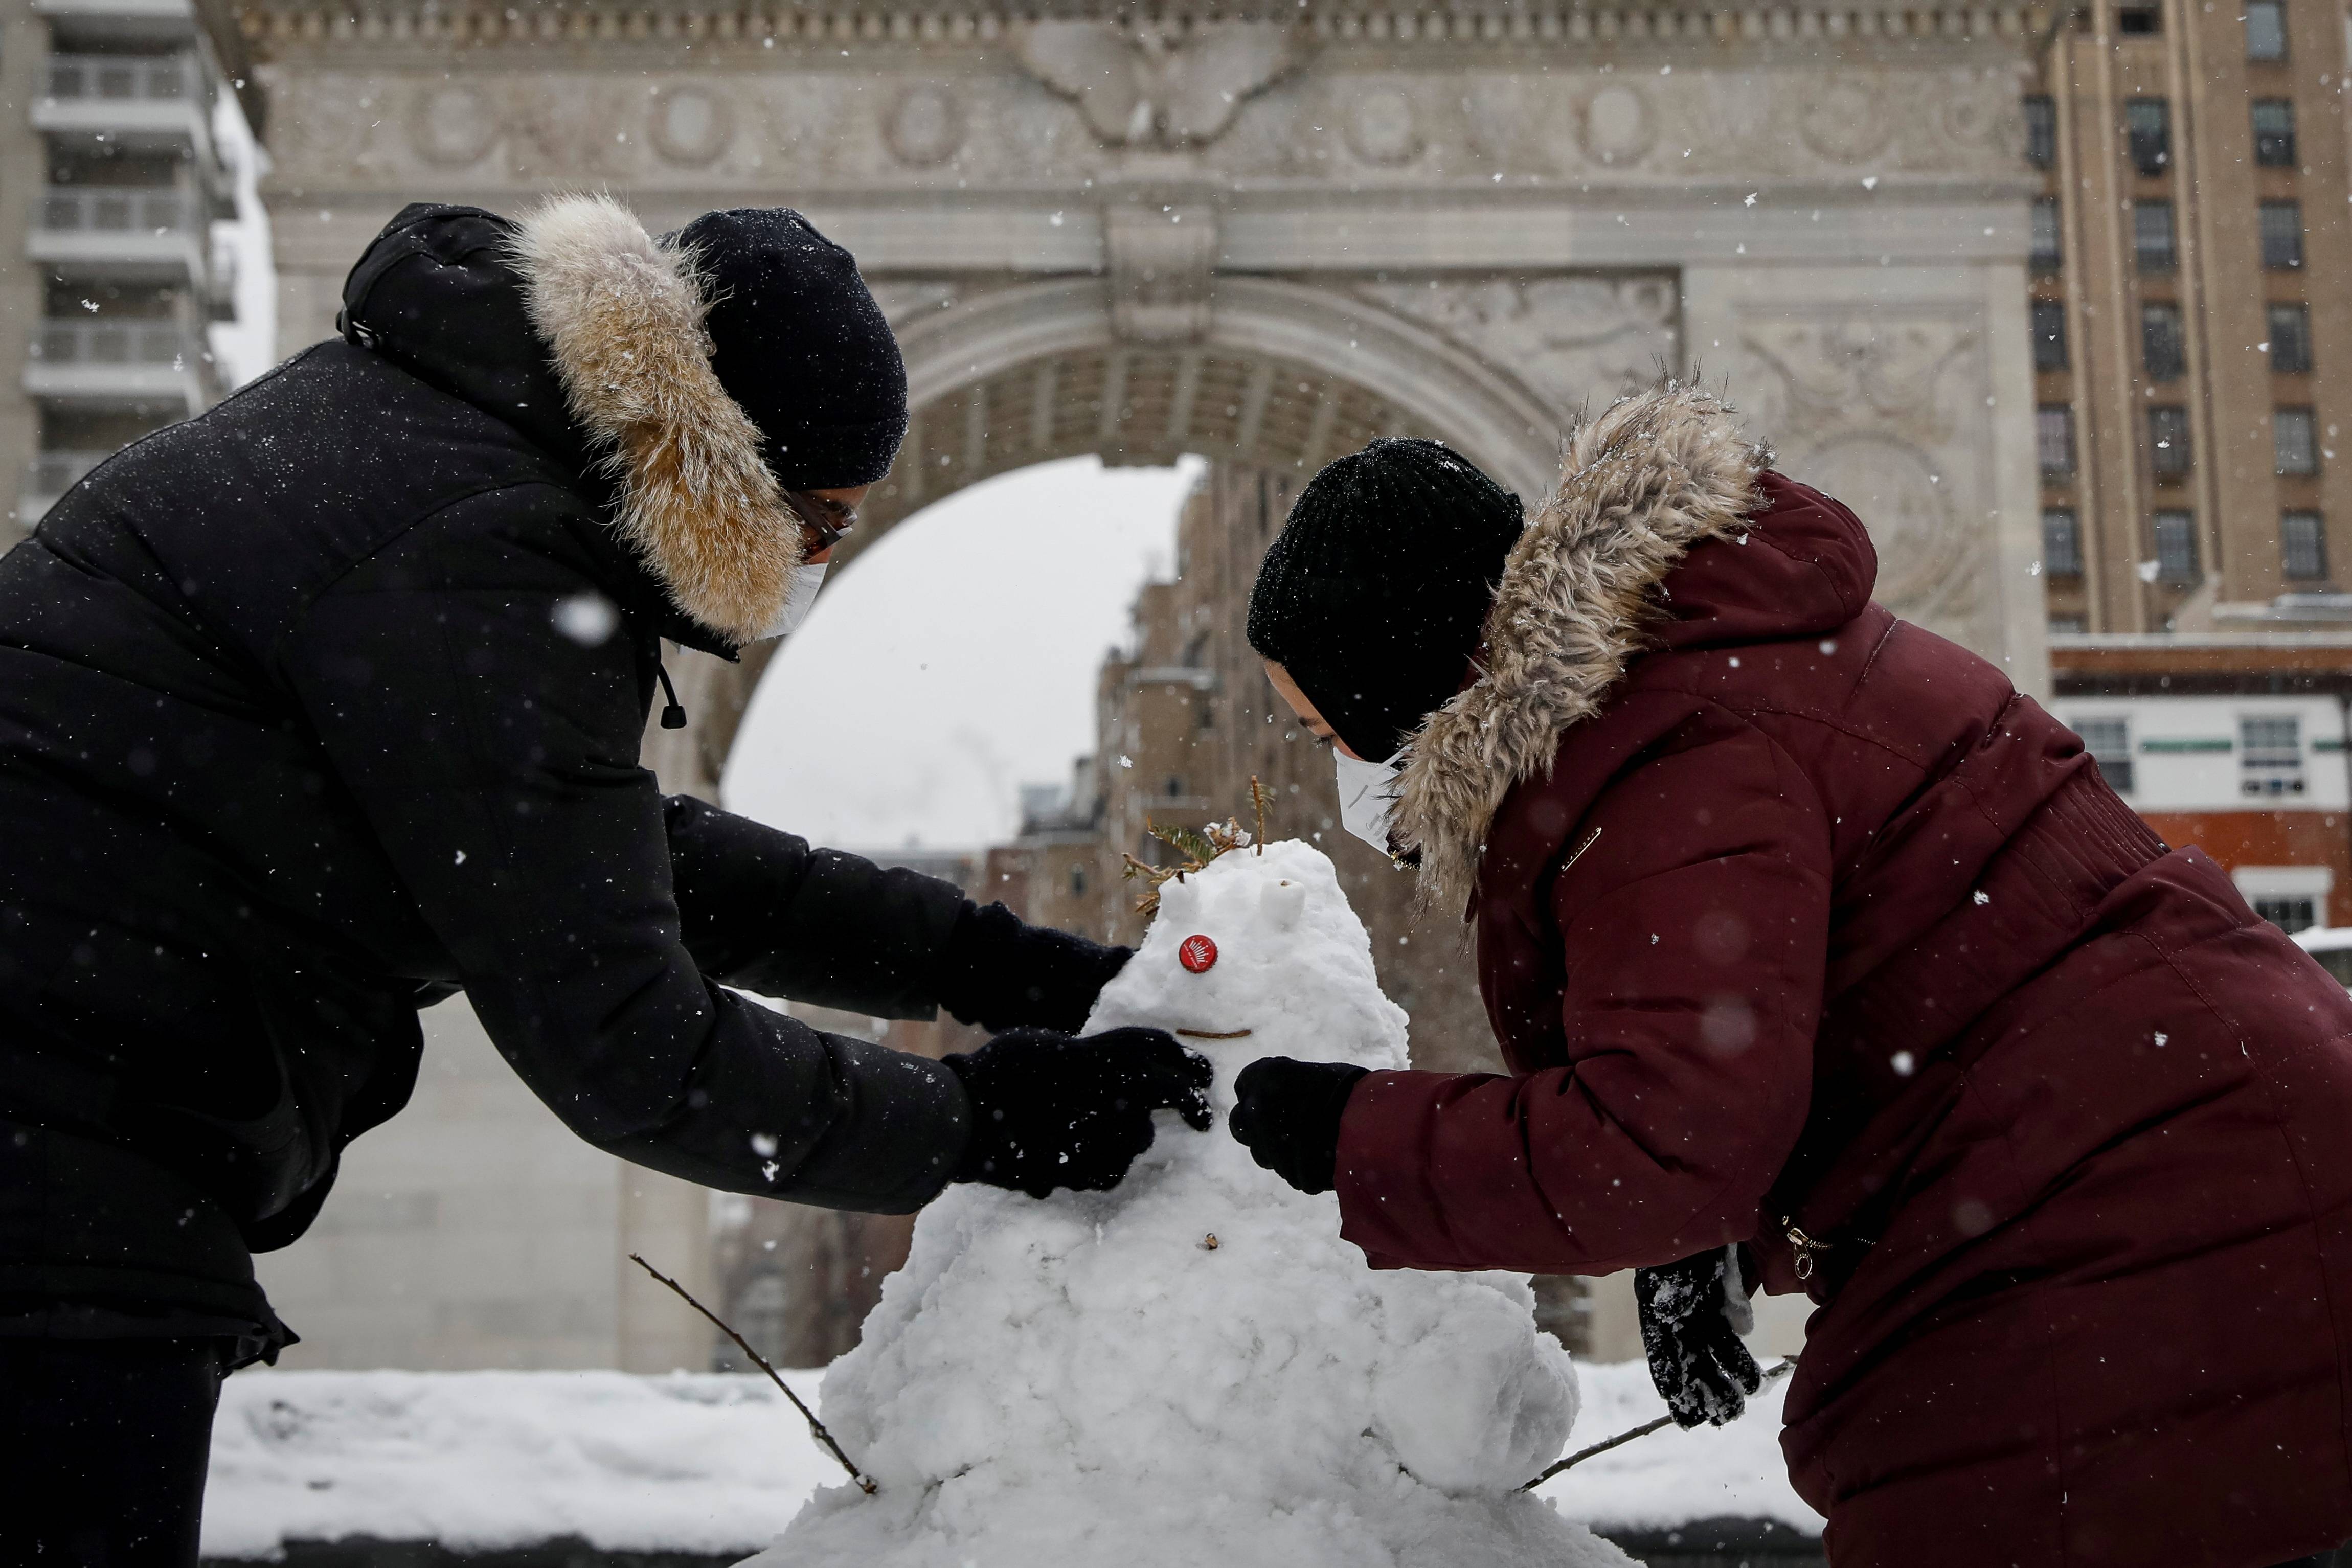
{"x": 622, "y": 315}
{"x": 1640, "y": 484}
{"x": 583, "y": 332}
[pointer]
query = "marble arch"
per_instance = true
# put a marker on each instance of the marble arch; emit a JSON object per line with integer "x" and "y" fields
{"x": 1268, "y": 231}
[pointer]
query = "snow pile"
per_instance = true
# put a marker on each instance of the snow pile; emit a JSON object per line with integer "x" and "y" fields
{"x": 483, "y": 1462}
{"x": 1196, "y": 1369}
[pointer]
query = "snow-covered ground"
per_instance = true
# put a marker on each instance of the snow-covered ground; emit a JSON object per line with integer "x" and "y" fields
{"x": 479, "y": 1461}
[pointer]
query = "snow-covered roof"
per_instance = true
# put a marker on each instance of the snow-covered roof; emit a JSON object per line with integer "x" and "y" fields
{"x": 709, "y": 1463}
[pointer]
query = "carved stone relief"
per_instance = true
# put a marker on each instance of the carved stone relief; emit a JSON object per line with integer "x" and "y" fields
{"x": 690, "y": 125}
{"x": 1885, "y": 410}
{"x": 924, "y": 126}
{"x": 1570, "y": 339}
{"x": 452, "y": 125}
{"x": 1385, "y": 129}
{"x": 1160, "y": 85}
{"x": 1575, "y": 124}
{"x": 1160, "y": 262}
{"x": 1065, "y": 100}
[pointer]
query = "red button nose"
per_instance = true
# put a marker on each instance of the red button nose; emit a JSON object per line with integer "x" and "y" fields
{"x": 1196, "y": 953}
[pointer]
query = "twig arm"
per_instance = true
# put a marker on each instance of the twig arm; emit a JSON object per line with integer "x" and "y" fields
{"x": 816, "y": 1427}
{"x": 1786, "y": 1365}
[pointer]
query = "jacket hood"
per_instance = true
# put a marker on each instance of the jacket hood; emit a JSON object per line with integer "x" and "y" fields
{"x": 1667, "y": 530}
{"x": 610, "y": 372}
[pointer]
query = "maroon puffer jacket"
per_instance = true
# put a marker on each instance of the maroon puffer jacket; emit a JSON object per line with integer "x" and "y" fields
{"x": 1801, "y": 928}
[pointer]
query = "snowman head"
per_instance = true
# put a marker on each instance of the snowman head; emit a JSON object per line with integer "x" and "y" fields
{"x": 1258, "y": 954}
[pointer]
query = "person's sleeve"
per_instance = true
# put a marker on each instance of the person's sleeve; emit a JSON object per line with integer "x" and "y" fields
{"x": 1693, "y": 931}
{"x": 494, "y": 756}
{"x": 767, "y": 911}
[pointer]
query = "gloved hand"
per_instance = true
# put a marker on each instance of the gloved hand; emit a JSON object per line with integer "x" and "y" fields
{"x": 1001, "y": 973}
{"x": 1691, "y": 1336}
{"x": 1048, "y": 1111}
{"x": 1286, "y": 1113}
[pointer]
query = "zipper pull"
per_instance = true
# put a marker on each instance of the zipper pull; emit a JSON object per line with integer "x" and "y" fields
{"x": 1807, "y": 1248}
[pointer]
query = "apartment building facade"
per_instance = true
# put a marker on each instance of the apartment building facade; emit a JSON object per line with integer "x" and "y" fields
{"x": 2192, "y": 355}
{"x": 112, "y": 265}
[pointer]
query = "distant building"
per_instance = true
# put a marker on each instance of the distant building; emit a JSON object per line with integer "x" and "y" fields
{"x": 109, "y": 273}
{"x": 2192, "y": 353}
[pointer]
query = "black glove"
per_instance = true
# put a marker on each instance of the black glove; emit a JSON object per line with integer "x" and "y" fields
{"x": 1048, "y": 1111}
{"x": 1286, "y": 1113}
{"x": 1001, "y": 974}
{"x": 1695, "y": 1357}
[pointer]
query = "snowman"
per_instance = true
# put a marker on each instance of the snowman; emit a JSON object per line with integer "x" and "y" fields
{"x": 1194, "y": 1369}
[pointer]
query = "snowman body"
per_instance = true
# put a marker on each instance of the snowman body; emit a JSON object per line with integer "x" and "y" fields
{"x": 1194, "y": 1369}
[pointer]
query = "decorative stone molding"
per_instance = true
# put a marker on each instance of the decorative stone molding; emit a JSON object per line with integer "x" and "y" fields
{"x": 924, "y": 126}
{"x": 1158, "y": 265}
{"x": 690, "y": 125}
{"x": 1885, "y": 410}
{"x": 271, "y": 24}
{"x": 1384, "y": 127}
{"x": 1152, "y": 84}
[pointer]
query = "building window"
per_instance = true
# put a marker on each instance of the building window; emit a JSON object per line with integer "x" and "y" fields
{"x": 2108, "y": 740}
{"x": 2281, "y": 228}
{"x": 2062, "y": 542}
{"x": 2302, "y": 546}
{"x": 2275, "y": 132}
{"x": 2294, "y": 448}
{"x": 2041, "y": 130}
{"x": 2290, "y": 912}
{"x": 2269, "y": 754}
{"x": 2049, "y": 334}
{"x": 2161, "y": 346}
{"x": 2053, "y": 440}
{"x": 2147, "y": 128}
{"x": 2046, "y": 254}
{"x": 2266, "y": 30}
{"x": 2291, "y": 339}
{"x": 2069, "y": 625}
{"x": 2175, "y": 549}
{"x": 2168, "y": 440}
{"x": 2292, "y": 897}
{"x": 1077, "y": 881}
{"x": 2152, "y": 246}
{"x": 2139, "y": 21}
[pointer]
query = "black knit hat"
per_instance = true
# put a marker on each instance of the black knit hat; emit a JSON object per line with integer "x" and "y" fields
{"x": 800, "y": 343}
{"x": 1373, "y": 594}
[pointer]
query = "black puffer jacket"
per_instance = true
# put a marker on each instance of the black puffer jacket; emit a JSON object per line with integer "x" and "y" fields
{"x": 306, "y": 720}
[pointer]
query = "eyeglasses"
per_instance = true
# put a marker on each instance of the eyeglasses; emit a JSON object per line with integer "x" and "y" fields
{"x": 824, "y": 520}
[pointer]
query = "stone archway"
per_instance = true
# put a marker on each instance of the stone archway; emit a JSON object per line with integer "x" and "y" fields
{"x": 1139, "y": 232}
{"x": 1284, "y": 375}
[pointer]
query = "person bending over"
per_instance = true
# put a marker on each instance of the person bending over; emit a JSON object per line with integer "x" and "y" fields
{"x": 326, "y": 705}
{"x": 1823, "y": 959}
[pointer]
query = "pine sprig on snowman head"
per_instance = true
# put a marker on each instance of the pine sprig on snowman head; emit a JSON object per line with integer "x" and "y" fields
{"x": 1199, "y": 846}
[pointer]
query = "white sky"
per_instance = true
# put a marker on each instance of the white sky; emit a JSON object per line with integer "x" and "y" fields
{"x": 955, "y": 660}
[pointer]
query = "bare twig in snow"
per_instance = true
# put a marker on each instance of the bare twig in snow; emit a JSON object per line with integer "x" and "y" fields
{"x": 816, "y": 1427}
{"x": 1785, "y": 1366}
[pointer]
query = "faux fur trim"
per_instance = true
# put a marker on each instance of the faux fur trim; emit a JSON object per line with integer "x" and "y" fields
{"x": 1640, "y": 484}
{"x": 623, "y": 316}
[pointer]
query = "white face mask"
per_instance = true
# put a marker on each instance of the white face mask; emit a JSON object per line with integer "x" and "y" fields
{"x": 798, "y": 601}
{"x": 1367, "y": 799}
